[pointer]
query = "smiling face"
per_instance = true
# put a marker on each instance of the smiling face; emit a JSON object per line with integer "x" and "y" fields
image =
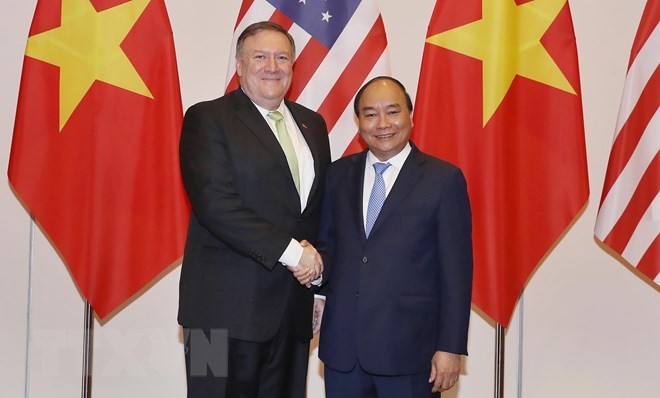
{"x": 264, "y": 67}
{"x": 384, "y": 119}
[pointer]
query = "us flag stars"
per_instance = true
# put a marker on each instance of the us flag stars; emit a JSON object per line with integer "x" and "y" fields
{"x": 325, "y": 16}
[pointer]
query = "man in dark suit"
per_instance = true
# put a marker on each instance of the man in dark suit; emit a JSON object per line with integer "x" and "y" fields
{"x": 253, "y": 165}
{"x": 397, "y": 248}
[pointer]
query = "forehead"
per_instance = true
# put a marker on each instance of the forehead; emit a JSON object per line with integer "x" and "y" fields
{"x": 382, "y": 93}
{"x": 268, "y": 40}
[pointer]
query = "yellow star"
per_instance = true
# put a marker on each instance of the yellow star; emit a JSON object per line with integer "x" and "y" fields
{"x": 508, "y": 41}
{"x": 86, "y": 48}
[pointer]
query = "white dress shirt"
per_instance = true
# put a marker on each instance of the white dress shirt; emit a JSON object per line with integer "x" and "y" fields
{"x": 294, "y": 251}
{"x": 389, "y": 176}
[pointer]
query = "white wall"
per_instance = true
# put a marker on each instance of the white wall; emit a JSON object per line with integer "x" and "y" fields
{"x": 591, "y": 326}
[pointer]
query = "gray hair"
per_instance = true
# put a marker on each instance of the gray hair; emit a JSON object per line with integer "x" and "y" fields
{"x": 261, "y": 26}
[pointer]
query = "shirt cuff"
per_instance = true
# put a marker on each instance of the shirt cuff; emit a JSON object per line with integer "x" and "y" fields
{"x": 292, "y": 255}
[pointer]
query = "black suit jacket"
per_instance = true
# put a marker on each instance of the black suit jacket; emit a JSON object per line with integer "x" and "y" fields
{"x": 396, "y": 298}
{"x": 245, "y": 210}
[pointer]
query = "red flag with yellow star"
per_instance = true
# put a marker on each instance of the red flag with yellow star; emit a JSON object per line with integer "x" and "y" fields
{"x": 94, "y": 155}
{"x": 499, "y": 96}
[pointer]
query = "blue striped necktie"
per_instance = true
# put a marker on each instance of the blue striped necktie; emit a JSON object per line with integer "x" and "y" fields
{"x": 377, "y": 197}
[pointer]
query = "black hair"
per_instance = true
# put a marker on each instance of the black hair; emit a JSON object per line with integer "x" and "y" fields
{"x": 358, "y": 96}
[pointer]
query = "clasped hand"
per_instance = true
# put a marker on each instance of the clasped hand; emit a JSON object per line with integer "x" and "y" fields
{"x": 310, "y": 266}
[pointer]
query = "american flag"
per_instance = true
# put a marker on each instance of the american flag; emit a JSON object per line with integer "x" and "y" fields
{"x": 340, "y": 45}
{"x": 629, "y": 216}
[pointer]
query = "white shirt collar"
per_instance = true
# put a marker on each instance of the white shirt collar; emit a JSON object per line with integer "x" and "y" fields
{"x": 397, "y": 160}
{"x": 264, "y": 112}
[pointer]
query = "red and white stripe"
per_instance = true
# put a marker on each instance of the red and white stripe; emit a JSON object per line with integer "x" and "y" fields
{"x": 326, "y": 80}
{"x": 629, "y": 217}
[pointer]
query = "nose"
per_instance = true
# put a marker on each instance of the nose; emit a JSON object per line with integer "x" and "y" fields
{"x": 271, "y": 64}
{"x": 383, "y": 121}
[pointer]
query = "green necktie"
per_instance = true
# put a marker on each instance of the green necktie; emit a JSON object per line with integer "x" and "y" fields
{"x": 287, "y": 146}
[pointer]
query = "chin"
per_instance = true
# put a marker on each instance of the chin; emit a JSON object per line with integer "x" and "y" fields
{"x": 274, "y": 95}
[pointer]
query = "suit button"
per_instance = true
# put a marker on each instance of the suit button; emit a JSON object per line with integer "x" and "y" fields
{"x": 365, "y": 260}
{"x": 357, "y": 294}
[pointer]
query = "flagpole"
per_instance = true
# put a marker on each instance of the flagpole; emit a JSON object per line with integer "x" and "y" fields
{"x": 28, "y": 340}
{"x": 499, "y": 361}
{"x": 88, "y": 349}
{"x": 519, "y": 367}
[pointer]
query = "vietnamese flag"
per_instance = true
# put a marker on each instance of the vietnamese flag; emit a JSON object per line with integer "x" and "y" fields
{"x": 499, "y": 96}
{"x": 94, "y": 156}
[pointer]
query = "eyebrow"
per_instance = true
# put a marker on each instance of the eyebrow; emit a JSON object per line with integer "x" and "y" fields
{"x": 270, "y": 51}
{"x": 367, "y": 108}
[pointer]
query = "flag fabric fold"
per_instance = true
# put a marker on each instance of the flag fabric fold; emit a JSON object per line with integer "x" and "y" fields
{"x": 628, "y": 218}
{"x": 499, "y": 96}
{"x": 94, "y": 156}
{"x": 340, "y": 45}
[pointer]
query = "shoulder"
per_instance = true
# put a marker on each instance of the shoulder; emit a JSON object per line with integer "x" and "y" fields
{"x": 341, "y": 166}
{"x": 299, "y": 108}
{"x": 301, "y": 112}
{"x": 347, "y": 161}
{"x": 232, "y": 99}
{"x": 219, "y": 111}
{"x": 439, "y": 170}
{"x": 433, "y": 162}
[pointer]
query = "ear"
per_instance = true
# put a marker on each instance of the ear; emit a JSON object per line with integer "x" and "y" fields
{"x": 239, "y": 67}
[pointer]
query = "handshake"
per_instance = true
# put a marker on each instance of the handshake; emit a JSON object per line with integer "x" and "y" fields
{"x": 310, "y": 266}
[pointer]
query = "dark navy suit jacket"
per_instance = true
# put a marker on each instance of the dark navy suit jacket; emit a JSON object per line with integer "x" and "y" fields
{"x": 396, "y": 298}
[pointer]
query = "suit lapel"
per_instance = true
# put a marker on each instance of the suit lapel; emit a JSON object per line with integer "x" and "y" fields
{"x": 355, "y": 190}
{"x": 407, "y": 178}
{"x": 250, "y": 115}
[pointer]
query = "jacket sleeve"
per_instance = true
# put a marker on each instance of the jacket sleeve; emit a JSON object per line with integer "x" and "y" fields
{"x": 326, "y": 236}
{"x": 456, "y": 262}
{"x": 209, "y": 182}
